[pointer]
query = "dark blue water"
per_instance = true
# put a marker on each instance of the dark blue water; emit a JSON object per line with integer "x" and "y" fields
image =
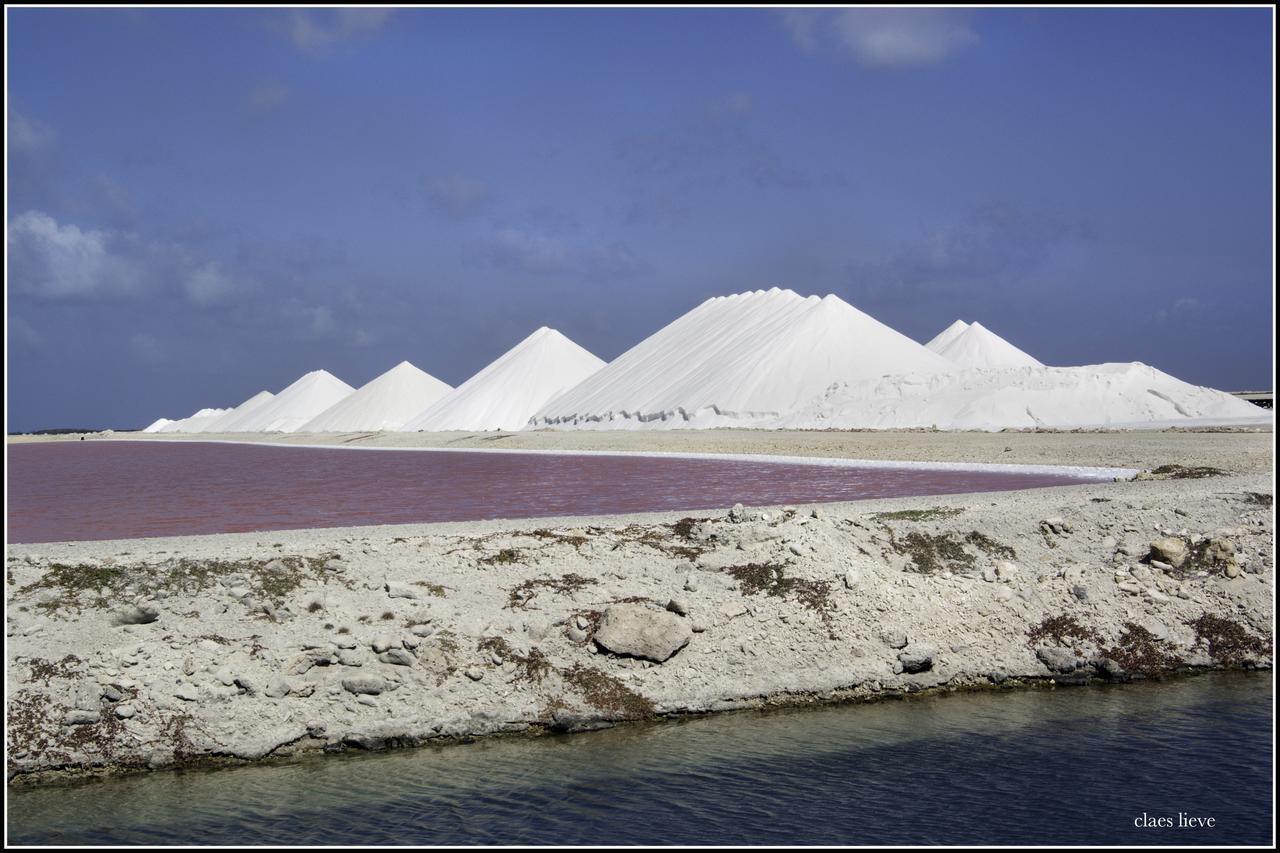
{"x": 1068, "y": 766}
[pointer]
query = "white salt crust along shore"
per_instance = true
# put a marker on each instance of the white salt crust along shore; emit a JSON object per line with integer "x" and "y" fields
{"x": 244, "y": 646}
{"x": 1094, "y": 473}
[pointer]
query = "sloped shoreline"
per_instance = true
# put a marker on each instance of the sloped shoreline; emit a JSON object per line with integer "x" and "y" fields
{"x": 163, "y": 652}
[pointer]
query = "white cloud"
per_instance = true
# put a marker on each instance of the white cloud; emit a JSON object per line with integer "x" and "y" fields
{"x": 53, "y": 260}
{"x": 60, "y": 261}
{"x": 883, "y": 38}
{"x": 317, "y": 29}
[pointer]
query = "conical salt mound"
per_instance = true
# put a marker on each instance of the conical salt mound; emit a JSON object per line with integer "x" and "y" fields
{"x": 511, "y": 389}
{"x": 978, "y": 346}
{"x": 219, "y": 424}
{"x": 738, "y": 359}
{"x": 947, "y": 335}
{"x": 384, "y": 403}
{"x": 157, "y": 425}
{"x": 295, "y": 405}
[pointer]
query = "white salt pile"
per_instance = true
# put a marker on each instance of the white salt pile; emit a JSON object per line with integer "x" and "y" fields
{"x": 220, "y": 423}
{"x": 947, "y": 335}
{"x": 738, "y": 359}
{"x": 384, "y": 403}
{"x": 978, "y": 346}
{"x": 193, "y": 423}
{"x": 513, "y": 387}
{"x": 157, "y": 425}
{"x": 1130, "y": 395}
{"x": 294, "y": 406}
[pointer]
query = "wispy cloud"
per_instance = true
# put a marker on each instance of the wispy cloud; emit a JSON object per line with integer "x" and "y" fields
{"x": 537, "y": 253}
{"x": 882, "y": 38}
{"x": 208, "y": 285}
{"x": 146, "y": 348}
{"x": 456, "y": 195}
{"x": 27, "y": 134}
{"x": 24, "y": 334}
{"x": 266, "y": 98}
{"x": 717, "y": 138}
{"x": 989, "y": 251}
{"x": 317, "y": 30}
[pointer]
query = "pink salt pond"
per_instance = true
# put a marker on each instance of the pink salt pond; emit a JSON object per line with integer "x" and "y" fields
{"x": 70, "y": 491}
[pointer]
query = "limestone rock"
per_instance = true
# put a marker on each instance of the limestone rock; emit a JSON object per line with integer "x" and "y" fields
{"x": 632, "y": 629}
{"x": 1171, "y": 550}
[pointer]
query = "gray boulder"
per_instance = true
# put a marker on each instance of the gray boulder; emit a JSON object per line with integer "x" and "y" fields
{"x": 364, "y": 685}
{"x": 137, "y": 614}
{"x": 632, "y": 629}
{"x": 918, "y": 658}
{"x": 1057, "y": 659}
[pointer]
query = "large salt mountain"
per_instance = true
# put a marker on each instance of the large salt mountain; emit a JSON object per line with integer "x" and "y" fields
{"x": 220, "y": 423}
{"x": 978, "y": 346}
{"x": 947, "y": 335}
{"x": 384, "y": 403}
{"x": 735, "y": 360}
{"x": 294, "y": 406}
{"x": 157, "y": 425}
{"x": 1125, "y": 395}
{"x": 505, "y": 394}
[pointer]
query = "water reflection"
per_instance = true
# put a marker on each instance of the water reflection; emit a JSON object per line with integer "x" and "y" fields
{"x": 1064, "y": 766}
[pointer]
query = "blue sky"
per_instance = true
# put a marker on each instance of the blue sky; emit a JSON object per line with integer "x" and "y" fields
{"x": 205, "y": 203}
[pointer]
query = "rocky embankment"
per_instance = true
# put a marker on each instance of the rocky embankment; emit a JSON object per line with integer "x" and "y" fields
{"x": 154, "y": 653}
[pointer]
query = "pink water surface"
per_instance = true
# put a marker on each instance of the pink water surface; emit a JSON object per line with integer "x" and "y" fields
{"x": 68, "y": 491}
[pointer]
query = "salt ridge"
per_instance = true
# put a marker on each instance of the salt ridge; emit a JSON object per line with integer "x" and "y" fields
{"x": 1114, "y": 395}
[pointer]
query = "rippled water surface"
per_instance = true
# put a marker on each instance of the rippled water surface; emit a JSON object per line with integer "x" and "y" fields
{"x": 1051, "y": 767}
{"x": 65, "y": 491}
